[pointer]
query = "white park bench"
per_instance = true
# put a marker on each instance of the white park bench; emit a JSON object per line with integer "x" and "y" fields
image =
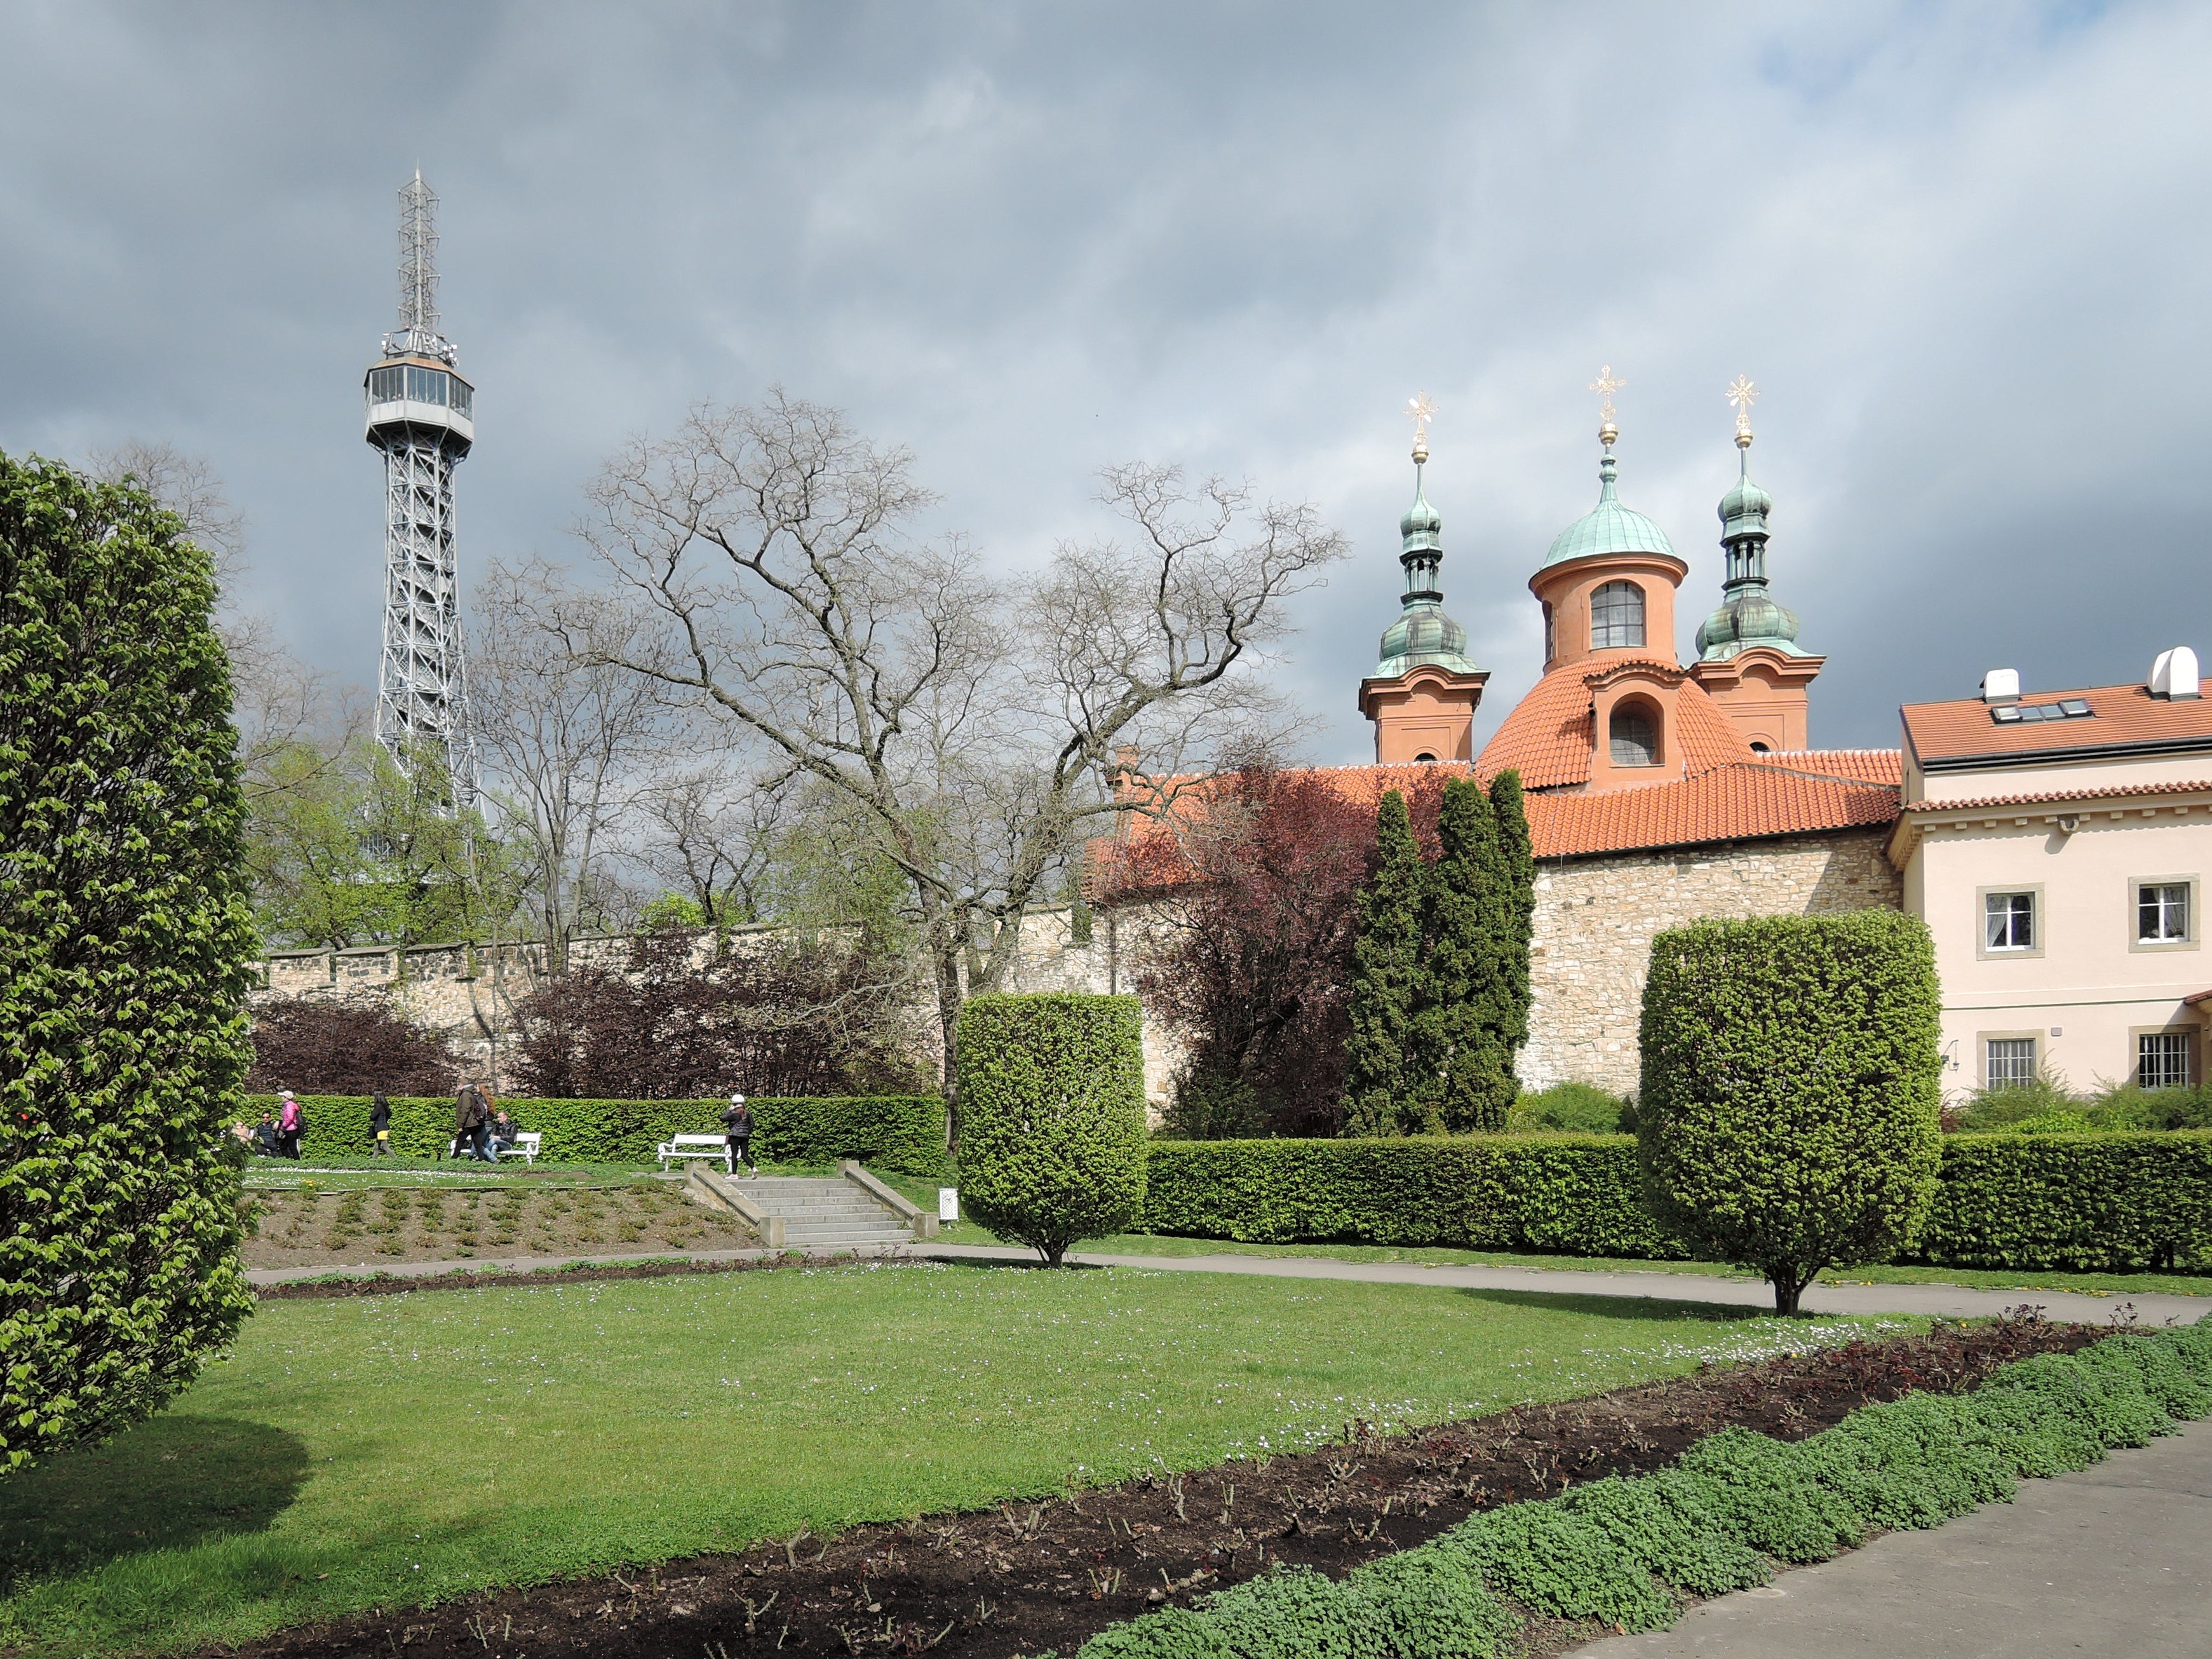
{"x": 675, "y": 1147}
{"x": 528, "y": 1143}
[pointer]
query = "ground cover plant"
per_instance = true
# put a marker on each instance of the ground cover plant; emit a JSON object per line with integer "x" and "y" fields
{"x": 393, "y": 1450}
{"x": 315, "y": 1225}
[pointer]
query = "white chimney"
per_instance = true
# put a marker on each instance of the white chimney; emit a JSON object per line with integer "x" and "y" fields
{"x": 2001, "y": 685}
{"x": 2174, "y": 674}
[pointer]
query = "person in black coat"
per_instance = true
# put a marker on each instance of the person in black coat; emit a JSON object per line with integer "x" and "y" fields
{"x": 379, "y": 1126}
{"x": 738, "y": 1126}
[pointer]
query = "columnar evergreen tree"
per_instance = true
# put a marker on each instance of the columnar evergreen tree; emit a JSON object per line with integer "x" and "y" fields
{"x": 1379, "y": 1088}
{"x": 125, "y": 942}
{"x": 1462, "y": 1000}
{"x": 1517, "y": 864}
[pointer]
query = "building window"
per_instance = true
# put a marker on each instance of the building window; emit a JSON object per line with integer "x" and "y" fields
{"x": 2162, "y": 913}
{"x": 2011, "y": 1062}
{"x": 1634, "y": 740}
{"x": 1550, "y": 634}
{"x": 2162, "y": 1060}
{"x": 2008, "y": 921}
{"x": 1616, "y": 615}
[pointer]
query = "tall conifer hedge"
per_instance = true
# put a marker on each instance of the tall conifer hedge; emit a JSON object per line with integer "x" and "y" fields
{"x": 1380, "y": 1086}
{"x": 124, "y": 946}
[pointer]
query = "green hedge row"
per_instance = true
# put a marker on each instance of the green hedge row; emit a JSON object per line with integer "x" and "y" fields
{"x": 2045, "y": 1202}
{"x": 1617, "y": 1550}
{"x": 1571, "y": 1195}
{"x": 902, "y": 1133}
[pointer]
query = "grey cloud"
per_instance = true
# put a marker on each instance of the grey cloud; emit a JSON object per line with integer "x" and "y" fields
{"x": 1955, "y": 244}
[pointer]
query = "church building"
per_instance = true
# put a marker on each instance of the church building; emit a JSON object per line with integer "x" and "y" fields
{"x": 1659, "y": 791}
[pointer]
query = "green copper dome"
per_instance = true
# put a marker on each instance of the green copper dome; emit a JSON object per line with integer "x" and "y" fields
{"x": 1748, "y": 615}
{"x": 1608, "y": 527}
{"x": 1423, "y": 635}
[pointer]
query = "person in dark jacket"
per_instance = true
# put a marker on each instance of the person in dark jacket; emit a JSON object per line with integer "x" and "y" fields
{"x": 738, "y": 1126}
{"x": 471, "y": 1115}
{"x": 264, "y": 1135}
{"x": 502, "y": 1131}
{"x": 380, "y": 1125}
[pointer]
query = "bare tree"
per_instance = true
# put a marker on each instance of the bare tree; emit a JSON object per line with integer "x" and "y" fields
{"x": 711, "y": 832}
{"x": 569, "y": 735}
{"x": 970, "y": 726}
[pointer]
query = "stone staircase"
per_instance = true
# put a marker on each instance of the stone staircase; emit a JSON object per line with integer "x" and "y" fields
{"x": 826, "y": 1215}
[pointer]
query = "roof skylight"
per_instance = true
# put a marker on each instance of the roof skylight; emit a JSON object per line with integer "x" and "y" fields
{"x": 2066, "y": 709}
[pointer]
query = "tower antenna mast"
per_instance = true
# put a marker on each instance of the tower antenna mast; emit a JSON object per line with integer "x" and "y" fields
{"x": 421, "y": 419}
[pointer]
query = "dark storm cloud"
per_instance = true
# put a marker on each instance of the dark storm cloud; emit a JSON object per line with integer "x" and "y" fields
{"x": 1956, "y": 245}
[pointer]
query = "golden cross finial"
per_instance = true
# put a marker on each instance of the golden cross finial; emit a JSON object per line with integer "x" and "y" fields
{"x": 1423, "y": 408}
{"x": 1742, "y": 394}
{"x": 1605, "y": 386}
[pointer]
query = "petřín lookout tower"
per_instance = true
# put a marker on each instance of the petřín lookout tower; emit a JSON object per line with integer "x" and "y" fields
{"x": 421, "y": 416}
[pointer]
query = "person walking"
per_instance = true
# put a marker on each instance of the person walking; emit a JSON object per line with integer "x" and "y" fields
{"x": 470, "y": 1114}
{"x": 289, "y": 1122}
{"x": 380, "y": 1125}
{"x": 737, "y": 1126}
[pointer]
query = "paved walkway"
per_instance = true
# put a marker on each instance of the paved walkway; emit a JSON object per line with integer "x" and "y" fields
{"x": 1945, "y": 1300}
{"x": 2108, "y": 1564}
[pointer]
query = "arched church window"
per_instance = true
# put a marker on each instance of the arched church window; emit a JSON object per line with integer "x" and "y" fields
{"x": 1634, "y": 738}
{"x": 1616, "y": 615}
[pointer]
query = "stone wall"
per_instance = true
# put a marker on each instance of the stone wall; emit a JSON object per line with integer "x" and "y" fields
{"x": 1595, "y": 918}
{"x": 469, "y": 993}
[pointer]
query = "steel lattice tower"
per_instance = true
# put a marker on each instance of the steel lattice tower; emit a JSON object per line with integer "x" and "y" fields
{"x": 421, "y": 416}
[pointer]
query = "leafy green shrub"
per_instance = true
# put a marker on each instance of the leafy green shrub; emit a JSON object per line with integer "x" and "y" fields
{"x": 1582, "y": 1107}
{"x": 904, "y": 1135}
{"x": 1604, "y": 1551}
{"x": 2126, "y": 1201}
{"x": 125, "y": 946}
{"x": 1576, "y": 1196}
{"x": 1211, "y": 1106}
{"x": 1052, "y": 1116}
{"x": 2011, "y": 1103}
{"x": 1788, "y": 1116}
{"x": 2001, "y": 1200}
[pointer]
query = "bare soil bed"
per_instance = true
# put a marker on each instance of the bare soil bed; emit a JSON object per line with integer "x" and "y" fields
{"x": 1029, "y": 1577}
{"x": 380, "y": 1226}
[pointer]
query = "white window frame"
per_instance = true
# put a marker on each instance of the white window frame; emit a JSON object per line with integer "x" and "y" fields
{"x": 1640, "y": 626}
{"x": 2032, "y": 1039}
{"x": 2186, "y": 1037}
{"x": 2188, "y": 941}
{"x": 2038, "y": 924}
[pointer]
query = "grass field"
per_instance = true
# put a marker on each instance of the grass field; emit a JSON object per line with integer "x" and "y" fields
{"x": 391, "y": 1450}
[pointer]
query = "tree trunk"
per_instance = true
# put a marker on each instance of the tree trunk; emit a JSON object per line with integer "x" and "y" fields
{"x": 1789, "y": 1288}
{"x": 944, "y": 959}
{"x": 1052, "y": 1254}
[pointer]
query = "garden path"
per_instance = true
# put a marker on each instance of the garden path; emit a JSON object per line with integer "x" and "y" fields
{"x": 1937, "y": 1301}
{"x": 2109, "y": 1562}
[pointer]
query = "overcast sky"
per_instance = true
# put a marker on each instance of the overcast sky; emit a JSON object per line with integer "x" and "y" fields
{"x": 1961, "y": 247}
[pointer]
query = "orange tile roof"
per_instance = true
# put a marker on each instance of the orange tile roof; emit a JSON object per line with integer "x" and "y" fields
{"x": 1745, "y": 801}
{"x": 1548, "y": 734}
{"x": 1864, "y": 765}
{"x": 2111, "y": 790}
{"x": 1947, "y": 736}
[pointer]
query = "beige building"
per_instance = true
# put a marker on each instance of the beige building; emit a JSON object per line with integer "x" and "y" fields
{"x": 2057, "y": 845}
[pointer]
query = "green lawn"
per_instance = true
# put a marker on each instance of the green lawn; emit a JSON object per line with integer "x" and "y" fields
{"x": 395, "y": 1450}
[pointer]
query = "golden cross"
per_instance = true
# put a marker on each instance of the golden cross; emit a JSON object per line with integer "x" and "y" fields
{"x": 1743, "y": 395}
{"x": 1605, "y": 386}
{"x": 1423, "y": 408}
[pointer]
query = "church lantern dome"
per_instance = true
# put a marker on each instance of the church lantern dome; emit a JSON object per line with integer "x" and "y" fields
{"x": 1608, "y": 527}
{"x": 1748, "y": 618}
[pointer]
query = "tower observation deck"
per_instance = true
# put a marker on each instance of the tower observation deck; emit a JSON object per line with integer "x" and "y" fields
{"x": 421, "y": 418}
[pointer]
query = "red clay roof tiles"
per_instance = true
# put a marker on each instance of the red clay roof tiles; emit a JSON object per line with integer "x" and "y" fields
{"x": 1961, "y": 733}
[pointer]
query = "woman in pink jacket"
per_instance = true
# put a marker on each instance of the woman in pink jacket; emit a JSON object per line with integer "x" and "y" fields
{"x": 287, "y": 1127}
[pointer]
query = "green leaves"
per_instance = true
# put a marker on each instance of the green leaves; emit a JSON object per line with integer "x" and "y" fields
{"x": 125, "y": 943}
{"x": 1052, "y": 1114}
{"x": 1787, "y": 1115}
{"x": 1440, "y": 999}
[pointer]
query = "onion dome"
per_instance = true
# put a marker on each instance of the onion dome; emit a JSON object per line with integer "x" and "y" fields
{"x": 1748, "y": 615}
{"x": 1423, "y": 635}
{"x": 1608, "y": 527}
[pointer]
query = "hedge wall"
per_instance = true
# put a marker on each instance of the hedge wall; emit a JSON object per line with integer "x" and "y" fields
{"x": 1576, "y": 1195}
{"x": 902, "y": 1133}
{"x": 2048, "y": 1202}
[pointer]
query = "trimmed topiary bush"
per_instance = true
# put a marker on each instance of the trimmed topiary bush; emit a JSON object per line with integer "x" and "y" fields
{"x": 1788, "y": 1116}
{"x": 125, "y": 943}
{"x": 1052, "y": 1117}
